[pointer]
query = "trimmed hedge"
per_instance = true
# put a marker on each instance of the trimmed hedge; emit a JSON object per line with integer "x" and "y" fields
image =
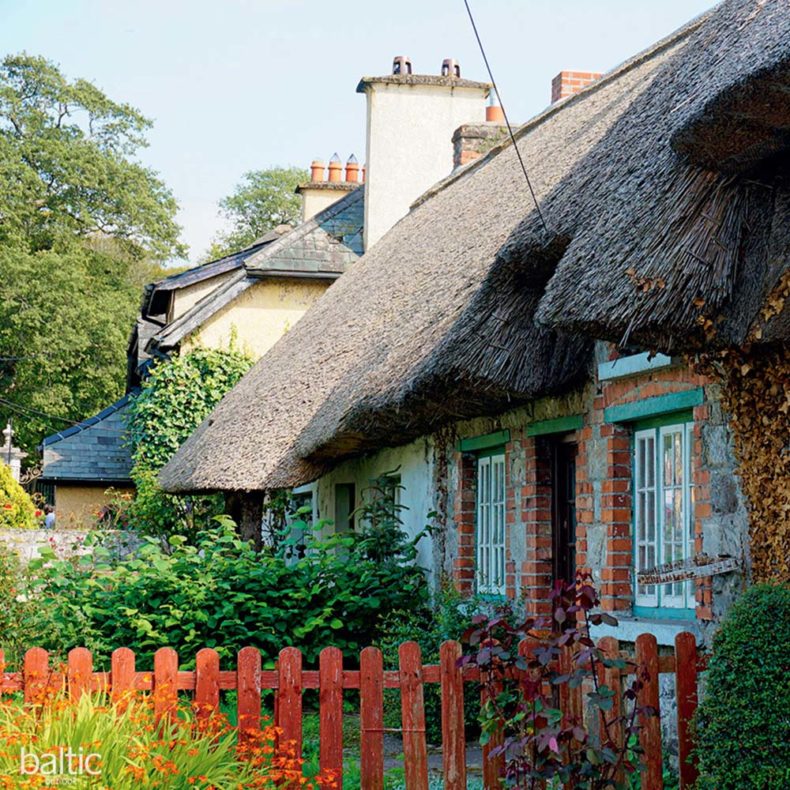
{"x": 743, "y": 723}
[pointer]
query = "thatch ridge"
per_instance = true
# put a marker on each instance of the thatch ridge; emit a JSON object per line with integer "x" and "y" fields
{"x": 406, "y": 340}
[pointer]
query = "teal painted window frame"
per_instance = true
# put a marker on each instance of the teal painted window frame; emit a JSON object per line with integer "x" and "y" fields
{"x": 684, "y": 417}
{"x": 632, "y": 365}
{"x": 474, "y": 444}
{"x": 572, "y": 422}
{"x": 655, "y": 406}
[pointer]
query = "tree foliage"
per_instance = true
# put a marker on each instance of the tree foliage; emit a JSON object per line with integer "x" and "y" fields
{"x": 176, "y": 397}
{"x": 82, "y": 226}
{"x": 262, "y": 200}
{"x": 66, "y": 150}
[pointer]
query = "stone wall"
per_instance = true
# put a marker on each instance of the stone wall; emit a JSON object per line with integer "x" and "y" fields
{"x": 27, "y": 543}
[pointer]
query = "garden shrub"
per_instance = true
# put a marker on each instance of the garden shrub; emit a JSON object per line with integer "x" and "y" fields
{"x": 17, "y": 510}
{"x": 220, "y": 593}
{"x": 177, "y": 395}
{"x": 17, "y": 628}
{"x": 743, "y": 726}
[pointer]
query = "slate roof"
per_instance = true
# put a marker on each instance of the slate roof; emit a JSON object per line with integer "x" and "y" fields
{"x": 322, "y": 248}
{"x": 94, "y": 451}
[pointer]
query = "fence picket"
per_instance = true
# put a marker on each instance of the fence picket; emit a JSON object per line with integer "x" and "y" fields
{"x": 331, "y": 712}
{"x": 288, "y": 680}
{"x": 493, "y": 767}
{"x": 686, "y": 693}
{"x": 453, "y": 734}
{"x": 289, "y": 697}
{"x": 415, "y": 752}
{"x": 165, "y": 682}
{"x": 36, "y": 675}
{"x": 650, "y": 731}
{"x": 248, "y": 702}
{"x": 121, "y": 673}
{"x": 206, "y": 683}
{"x": 79, "y": 672}
{"x": 371, "y": 718}
{"x": 610, "y": 677}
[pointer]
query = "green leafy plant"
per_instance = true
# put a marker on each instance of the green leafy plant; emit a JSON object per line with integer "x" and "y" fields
{"x": 540, "y": 742}
{"x": 17, "y": 510}
{"x": 97, "y": 741}
{"x": 221, "y": 593}
{"x": 176, "y": 397}
{"x": 742, "y": 723}
{"x": 19, "y": 628}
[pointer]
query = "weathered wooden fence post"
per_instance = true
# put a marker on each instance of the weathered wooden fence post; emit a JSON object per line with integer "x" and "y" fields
{"x": 371, "y": 718}
{"x": 331, "y": 712}
{"x": 650, "y": 730}
{"x": 415, "y": 752}
{"x": 686, "y": 693}
{"x": 206, "y": 683}
{"x": 453, "y": 732}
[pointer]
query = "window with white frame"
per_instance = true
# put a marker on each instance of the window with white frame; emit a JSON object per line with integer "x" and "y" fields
{"x": 490, "y": 524}
{"x": 663, "y": 510}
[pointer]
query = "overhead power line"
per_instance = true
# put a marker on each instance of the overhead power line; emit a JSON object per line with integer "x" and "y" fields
{"x": 504, "y": 113}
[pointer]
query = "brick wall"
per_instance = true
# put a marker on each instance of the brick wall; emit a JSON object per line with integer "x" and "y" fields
{"x": 464, "y": 517}
{"x": 604, "y": 509}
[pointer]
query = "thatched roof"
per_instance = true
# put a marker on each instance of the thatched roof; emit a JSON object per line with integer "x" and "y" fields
{"x": 433, "y": 324}
{"x": 674, "y": 255}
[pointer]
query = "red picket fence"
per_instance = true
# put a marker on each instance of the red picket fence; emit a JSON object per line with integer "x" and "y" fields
{"x": 288, "y": 681}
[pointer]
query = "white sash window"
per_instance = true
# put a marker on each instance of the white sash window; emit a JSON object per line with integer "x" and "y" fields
{"x": 663, "y": 508}
{"x": 490, "y": 524}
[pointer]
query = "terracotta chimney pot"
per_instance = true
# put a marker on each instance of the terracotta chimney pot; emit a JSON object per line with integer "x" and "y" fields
{"x": 316, "y": 170}
{"x": 335, "y": 169}
{"x": 352, "y": 170}
{"x": 494, "y": 114}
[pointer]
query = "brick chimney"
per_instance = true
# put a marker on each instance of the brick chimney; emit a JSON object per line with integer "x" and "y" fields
{"x": 410, "y": 122}
{"x": 566, "y": 83}
{"x": 327, "y": 185}
{"x": 473, "y": 140}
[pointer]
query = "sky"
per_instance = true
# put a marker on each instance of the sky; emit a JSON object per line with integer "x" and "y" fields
{"x": 238, "y": 85}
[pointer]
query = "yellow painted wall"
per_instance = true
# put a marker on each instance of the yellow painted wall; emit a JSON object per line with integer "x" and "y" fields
{"x": 76, "y": 506}
{"x": 185, "y": 298}
{"x": 259, "y": 317}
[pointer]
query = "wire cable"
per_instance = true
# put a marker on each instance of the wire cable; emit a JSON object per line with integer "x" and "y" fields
{"x": 35, "y": 412}
{"x": 504, "y": 113}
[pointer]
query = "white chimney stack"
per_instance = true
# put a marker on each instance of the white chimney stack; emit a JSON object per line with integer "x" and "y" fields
{"x": 411, "y": 119}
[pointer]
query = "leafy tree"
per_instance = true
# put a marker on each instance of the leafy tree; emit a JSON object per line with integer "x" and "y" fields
{"x": 82, "y": 227}
{"x": 263, "y": 200}
{"x": 176, "y": 398}
{"x": 64, "y": 322}
{"x": 65, "y": 164}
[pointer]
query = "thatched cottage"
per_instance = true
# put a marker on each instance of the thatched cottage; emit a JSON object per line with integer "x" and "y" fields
{"x": 599, "y": 383}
